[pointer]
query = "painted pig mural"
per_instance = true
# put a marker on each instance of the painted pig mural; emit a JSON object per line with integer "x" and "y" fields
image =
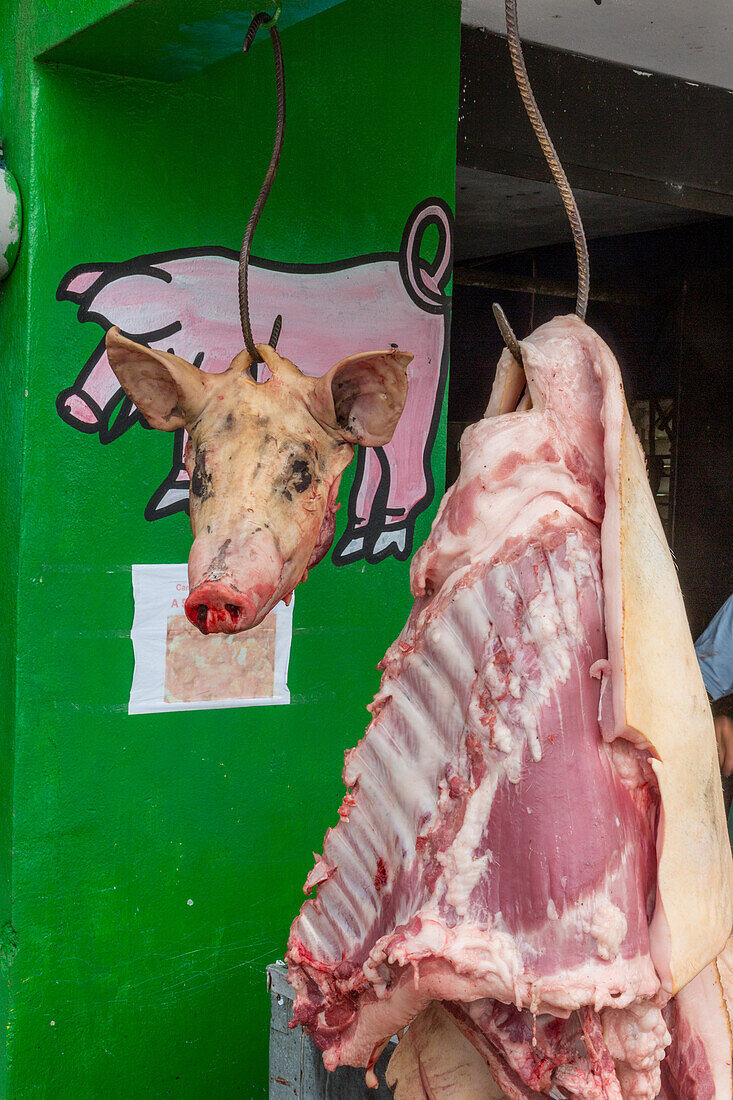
{"x": 185, "y": 302}
{"x": 265, "y": 460}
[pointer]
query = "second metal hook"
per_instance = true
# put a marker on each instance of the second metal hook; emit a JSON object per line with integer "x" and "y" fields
{"x": 550, "y": 153}
{"x": 561, "y": 180}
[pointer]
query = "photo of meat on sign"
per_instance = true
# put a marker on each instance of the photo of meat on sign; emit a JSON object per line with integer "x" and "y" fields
{"x": 221, "y": 666}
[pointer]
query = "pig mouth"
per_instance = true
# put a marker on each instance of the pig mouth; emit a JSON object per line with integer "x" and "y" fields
{"x": 217, "y": 608}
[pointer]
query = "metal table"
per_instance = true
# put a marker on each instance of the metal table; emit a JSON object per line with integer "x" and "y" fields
{"x": 296, "y": 1066}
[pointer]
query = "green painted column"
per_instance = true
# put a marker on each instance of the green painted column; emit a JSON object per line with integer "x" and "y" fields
{"x": 150, "y": 866}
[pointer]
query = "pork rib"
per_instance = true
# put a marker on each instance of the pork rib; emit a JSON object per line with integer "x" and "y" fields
{"x": 499, "y": 847}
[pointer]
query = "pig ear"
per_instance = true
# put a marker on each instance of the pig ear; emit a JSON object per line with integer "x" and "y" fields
{"x": 167, "y": 390}
{"x": 362, "y": 397}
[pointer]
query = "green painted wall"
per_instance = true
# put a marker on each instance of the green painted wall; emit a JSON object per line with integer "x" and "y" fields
{"x": 120, "y": 987}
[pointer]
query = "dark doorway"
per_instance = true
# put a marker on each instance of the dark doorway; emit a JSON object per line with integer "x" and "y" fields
{"x": 662, "y": 301}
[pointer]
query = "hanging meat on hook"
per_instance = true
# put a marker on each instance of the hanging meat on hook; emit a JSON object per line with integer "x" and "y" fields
{"x": 533, "y": 831}
{"x": 265, "y": 462}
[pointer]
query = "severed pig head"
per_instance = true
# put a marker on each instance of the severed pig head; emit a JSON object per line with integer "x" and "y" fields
{"x": 265, "y": 460}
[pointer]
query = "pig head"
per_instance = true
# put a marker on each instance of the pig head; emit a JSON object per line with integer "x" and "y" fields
{"x": 264, "y": 459}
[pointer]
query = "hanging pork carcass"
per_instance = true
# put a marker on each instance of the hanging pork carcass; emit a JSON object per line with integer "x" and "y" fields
{"x": 533, "y": 832}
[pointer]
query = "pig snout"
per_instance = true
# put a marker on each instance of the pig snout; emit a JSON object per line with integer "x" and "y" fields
{"x": 217, "y": 608}
{"x": 233, "y": 588}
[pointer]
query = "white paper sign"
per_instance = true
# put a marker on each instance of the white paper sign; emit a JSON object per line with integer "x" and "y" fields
{"x": 178, "y": 668}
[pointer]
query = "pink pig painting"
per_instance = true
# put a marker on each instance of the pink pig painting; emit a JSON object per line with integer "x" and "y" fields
{"x": 185, "y": 302}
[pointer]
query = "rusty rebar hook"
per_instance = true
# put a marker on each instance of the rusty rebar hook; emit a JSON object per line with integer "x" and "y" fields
{"x": 262, "y": 19}
{"x": 558, "y": 174}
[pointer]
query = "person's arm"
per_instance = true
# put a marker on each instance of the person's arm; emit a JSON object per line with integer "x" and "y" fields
{"x": 723, "y": 718}
{"x": 714, "y": 650}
